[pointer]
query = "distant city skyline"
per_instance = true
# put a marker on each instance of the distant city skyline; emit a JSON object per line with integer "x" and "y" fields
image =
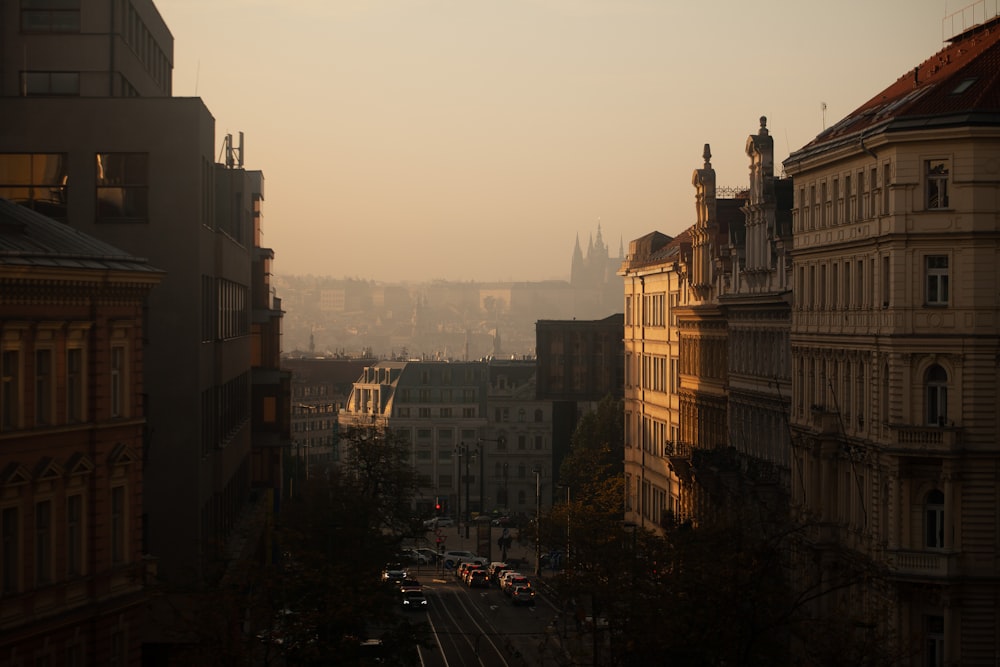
{"x": 473, "y": 140}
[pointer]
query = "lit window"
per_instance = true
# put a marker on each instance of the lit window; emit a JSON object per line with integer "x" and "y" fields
{"x": 937, "y": 184}
{"x": 937, "y": 279}
{"x": 36, "y": 181}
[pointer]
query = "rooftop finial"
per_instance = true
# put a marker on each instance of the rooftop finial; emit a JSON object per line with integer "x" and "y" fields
{"x": 763, "y": 126}
{"x": 708, "y": 156}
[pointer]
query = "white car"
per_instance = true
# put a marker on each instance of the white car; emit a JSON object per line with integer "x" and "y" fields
{"x": 451, "y": 559}
{"x": 439, "y": 522}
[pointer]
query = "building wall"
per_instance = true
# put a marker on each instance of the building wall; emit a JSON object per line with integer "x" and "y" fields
{"x": 895, "y": 383}
{"x": 179, "y": 234}
{"x": 71, "y": 492}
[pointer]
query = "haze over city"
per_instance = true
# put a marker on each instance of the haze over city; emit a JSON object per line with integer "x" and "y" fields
{"x": 473, "y": 140}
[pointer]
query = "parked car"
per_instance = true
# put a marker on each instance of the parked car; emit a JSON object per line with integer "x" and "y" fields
{"x": 414, "y": 556}
{"x": 414, "y": 600}
{"x": 522, "y": 595}
{"x": 451, "y": 559}
{"x": 431, "y": 555}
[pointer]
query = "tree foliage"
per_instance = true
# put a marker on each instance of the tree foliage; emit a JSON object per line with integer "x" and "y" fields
{"x": 323, "y": 596}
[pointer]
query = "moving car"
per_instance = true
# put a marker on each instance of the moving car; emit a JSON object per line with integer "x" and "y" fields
{"x": 522, "y": 595}
{"x": 414, "y": 599}
{"x": 393, "y": 576}
{"x": 477, "y": 578}
{"x": 439, "y": 522}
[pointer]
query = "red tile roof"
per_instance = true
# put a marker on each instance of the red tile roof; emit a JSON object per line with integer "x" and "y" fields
{"x": 954, "y": 86}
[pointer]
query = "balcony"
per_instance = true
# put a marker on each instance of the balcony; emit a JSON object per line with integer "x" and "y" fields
{"x": 922, "y": 440}
{"x": 909, "y": 564}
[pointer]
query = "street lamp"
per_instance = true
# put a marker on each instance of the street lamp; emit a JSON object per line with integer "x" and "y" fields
{"x": 538, "y": 511}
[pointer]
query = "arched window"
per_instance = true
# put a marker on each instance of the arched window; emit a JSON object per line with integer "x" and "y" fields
{"x": 538, "y": 415}
{"x": 934, "y": 520}
{"x": 936, "y": 382}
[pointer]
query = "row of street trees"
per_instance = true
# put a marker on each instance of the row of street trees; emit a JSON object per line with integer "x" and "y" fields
{"x": 719, "y": 593}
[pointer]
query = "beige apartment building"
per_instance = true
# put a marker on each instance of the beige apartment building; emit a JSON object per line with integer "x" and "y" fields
{"x": 895, "y": 346}
{"x": 707, "y": 320}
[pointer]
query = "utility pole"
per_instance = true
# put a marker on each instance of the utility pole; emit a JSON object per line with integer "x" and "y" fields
{"x": 538, "y": 513}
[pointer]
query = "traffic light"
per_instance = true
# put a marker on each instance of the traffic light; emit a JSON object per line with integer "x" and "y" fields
{"x": 437, "y": 505}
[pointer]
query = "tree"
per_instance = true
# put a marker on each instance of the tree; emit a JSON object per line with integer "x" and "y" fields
{"x": 324, "y": 597}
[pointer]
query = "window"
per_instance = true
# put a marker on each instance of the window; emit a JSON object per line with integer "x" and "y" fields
{"x": 936, "y": 381}
{"x": 74, "y": 535}
{"x": 50, "y": 84}
{"x": 122, "y": 186}
{"x": 11, "y": 551}
{"x": 935, "y": 641}
{"x": 43, "y": 387}
{"x": 538, "y": 416}
{"x": 117, "y": 381}
{"x": 934, "y": 519}
{"x": 520, "y": 497}
{"x": 469, "y": 413}
{"x": 118, "y": 524}
{"x": 424, "y": 412}
{"x": 937, "y": 184}
{"x": 522, "y": 441}
{"x": 446, "y": 412}
{"x": 10, "y": 390}
{"x": 937, "y": 279}
{"x": 43, "y": 542}
{"x": 74, "y": 385}
{"x": 538, "y": 442}
{"x": 50, "y": 15}
{"x": 35, "y": 180}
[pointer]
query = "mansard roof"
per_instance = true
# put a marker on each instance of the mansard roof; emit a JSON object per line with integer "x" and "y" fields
{"x": 959, "y": 85}
{"x": 28, "y": 238}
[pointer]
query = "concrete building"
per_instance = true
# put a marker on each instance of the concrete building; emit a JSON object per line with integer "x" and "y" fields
{"x": 895, "y": 346}
{"x": 72, "y": 444}
{"x": 101, "y": 145}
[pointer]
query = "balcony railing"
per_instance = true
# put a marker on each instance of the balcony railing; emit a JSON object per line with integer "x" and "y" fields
{"x": 921, "y": 563}
{"x": 923, "y": 439}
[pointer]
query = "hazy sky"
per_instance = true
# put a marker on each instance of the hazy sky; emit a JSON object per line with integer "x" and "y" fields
{"x": 474, "y": 139}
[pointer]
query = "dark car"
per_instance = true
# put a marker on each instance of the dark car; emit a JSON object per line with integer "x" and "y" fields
{"x": 477, "y": 579}
{"x": 522, "y": 595}
{"x": 394, "y": 576}
{"x": 414, "y": 599}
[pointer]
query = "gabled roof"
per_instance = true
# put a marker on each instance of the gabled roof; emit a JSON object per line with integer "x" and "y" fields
{"x": 28, "y": 238}
{"x": 959, "y": 85}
